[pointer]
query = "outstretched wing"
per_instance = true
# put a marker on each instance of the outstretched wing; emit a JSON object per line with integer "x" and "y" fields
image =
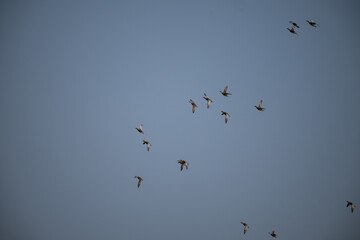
{"x": 208, "y": 103}
{"x": 139, "y": 183}
{"x": 226, "y": 118}
{"x": 260, "y": 103}
{"x": 225, "y": 89}
{"x": 182, "y": 166}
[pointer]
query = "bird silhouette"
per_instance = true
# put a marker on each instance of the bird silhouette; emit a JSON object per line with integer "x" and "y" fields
{"x": 225, "y": 93}
{"x": 140, "y": 129}
{"x": 226, "y": 116}
{"x": 260, "y": 108}
{"x": 352, "y": 205}
{"x": 148, "y": 144}
{"x": 140, "y": 179}
{"x": 245, "y": 226}
{"x": 183, "y": 163}
{"x": 312, "y": 23}
{"x": 193, "y": 104}
{"x": 273, "y": 234}
{"x": 292, "y": 30}
{"x": 208, "y": 100}
{"x": 293, "y": 23}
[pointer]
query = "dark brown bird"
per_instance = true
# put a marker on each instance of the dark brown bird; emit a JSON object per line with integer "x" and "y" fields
{"x": 293, "y": 23}
{"x": 225, "y": 93}
{"x": 194, "y": 105}
{"x": 226, "y": 116}
{"x": 140, "y": 179}
{"x": 312, "y": 23}
{"x": 292, "y": 30}
{"x": 273, "y": 234}
{"x": 183, "y": 163}
{"x": 245, "y": 227}
{"x": 352, "y": 205}
{"x": 260, "y": 108}
{"x": 208, "y": 100}
{"x": 140, "y": 129}
{"x": 148, "y": 144}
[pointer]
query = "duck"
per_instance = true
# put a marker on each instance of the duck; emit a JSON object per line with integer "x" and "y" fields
{"x": 148, "y": 144}
{"x": 312, "y": 23}
{"x": 292, "y": 30}
{"x": 245, "y": 226}
{"x": 140, "y": 179}
{"x": 225, "y": 93}
{"x": 226, "y": 116}
{"x": 140, "y": 129}
{"x": 183, "y": 163}
{"x": 259, "y": 107}
{"x": 208, "y": 100}
{"x": 273, "y": 234}
{"x": 293, "y": 23}
{"x": 193, "y": 104}
{"x": 352, "y": 205}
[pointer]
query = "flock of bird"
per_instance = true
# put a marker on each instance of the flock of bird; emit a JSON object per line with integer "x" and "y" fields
{"x": 292, "y": 30}
{"x": 227, "y": 115}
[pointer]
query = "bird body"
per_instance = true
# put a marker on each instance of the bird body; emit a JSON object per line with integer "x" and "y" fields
{"x": 292, "y": 30}
{"x": 183, "y": 163}
{"x": 225, "y": 93}
{"x": 245, "y": 226}
{"x": 260, "y": 108}
{"x": 208, "y": 100}
{"x": 352, "y": 205}
{"x": 140, "y": 179}
{"x": 273, "y": 234}
{"x": 140, "y": 129}
{"x": 148, "y": 144}
{"x": 227, "y": 115}
{"x": 193, "y": 104}
{"x": 293, "y": 23}
{"x": 312, "y": 23}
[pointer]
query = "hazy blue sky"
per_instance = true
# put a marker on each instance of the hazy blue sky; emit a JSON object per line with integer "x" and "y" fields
{"x": 77, "y": 77}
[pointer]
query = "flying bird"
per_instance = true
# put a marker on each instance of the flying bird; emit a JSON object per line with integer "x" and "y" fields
{"x": 273, "y": 234}
{"x": 194, "y": 105}
{"x": 226, "y": 116}
{"x": 140, "y": 179}
{"x": 225, "y": 93}
{"x": 245, "y": 227}
{"x": 312, "y": 23}
{"x": 183, "y": 163}
{"x": 260, "y": 108}
{"x": 292, "y": 30}
{"x": 208, "y": 100}
{"x": 140, "y": 129}
{"x": 352, "y": 205}
{"x": 148, "y": 144}
{"x": 293, "y": 23}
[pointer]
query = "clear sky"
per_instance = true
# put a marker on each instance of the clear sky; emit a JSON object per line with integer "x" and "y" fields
{"x": 77, "y": 77}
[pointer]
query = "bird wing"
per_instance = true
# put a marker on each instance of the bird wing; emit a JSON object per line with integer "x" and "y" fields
{"x": 208, "y": 103}
{"x": 245, "y": 228}
{"x": 139, "y": 183}
{"x": 225, "y": 89}
{"x": 148, "y": 146}
{"x": 348, "y": 204}
{"x": 182, "y": 166}
{"x": 352, "y": 208}
{"x": 193, "y": 109}
{"x": 260, "y": 103}
{"x": 226, "y": 118}
{"x": 141, "y": 126}
{"x": 187, "y": 166}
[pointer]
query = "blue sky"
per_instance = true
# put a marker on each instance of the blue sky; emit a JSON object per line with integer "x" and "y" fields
{"x": 77, "y": 77}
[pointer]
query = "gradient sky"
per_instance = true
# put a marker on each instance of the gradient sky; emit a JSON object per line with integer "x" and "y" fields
{"x": 77, "y": 77}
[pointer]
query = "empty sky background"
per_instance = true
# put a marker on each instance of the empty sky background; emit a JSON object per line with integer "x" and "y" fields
{"x": 77, "y": 77}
